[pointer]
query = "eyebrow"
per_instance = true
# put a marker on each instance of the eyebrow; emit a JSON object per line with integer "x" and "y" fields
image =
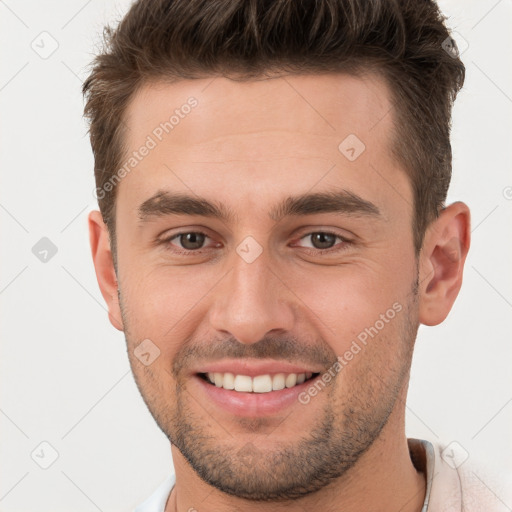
{"x": 339, "y": 201}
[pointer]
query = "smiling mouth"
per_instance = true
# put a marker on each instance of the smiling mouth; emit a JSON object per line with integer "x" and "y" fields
{"x": 259, "y": 384}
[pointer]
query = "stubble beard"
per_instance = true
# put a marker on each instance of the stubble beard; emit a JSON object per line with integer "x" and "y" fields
{"x": 346, "y": 428}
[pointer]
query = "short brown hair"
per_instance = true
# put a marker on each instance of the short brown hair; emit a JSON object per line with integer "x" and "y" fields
{"x": 404, "y": 41}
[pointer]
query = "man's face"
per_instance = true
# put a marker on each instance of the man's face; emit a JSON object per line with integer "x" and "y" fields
{"x": 294, "y": 286}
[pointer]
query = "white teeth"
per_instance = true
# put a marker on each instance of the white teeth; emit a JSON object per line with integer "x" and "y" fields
{"x": 258, "y": 384}
{"x": 291, "y": 380}
{"x": 243, "y": 383}
{"x": 278, "y": 381}
{"x": 229, "y": 381}
{"x": 262, "y": 384}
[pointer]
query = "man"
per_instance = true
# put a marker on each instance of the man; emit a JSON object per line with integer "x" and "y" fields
{"x": 271, "y": 178}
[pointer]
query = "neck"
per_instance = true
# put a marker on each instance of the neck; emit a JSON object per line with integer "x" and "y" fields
{"x": 384, "y": 479}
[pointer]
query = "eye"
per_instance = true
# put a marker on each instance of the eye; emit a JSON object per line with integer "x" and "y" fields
{"x": 193, "y": 241}
{"x": 324, "y": 241}
{"x": 189, "y": 240}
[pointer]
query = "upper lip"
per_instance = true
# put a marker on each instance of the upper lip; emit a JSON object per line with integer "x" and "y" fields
{"x": 254, "y": 367}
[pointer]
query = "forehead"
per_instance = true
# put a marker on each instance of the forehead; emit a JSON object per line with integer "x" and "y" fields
{"x": 322, "y": 105}
{"x": 261, "y": 137}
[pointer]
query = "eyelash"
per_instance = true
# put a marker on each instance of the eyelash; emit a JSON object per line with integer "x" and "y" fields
{"x": 346, "y": 242}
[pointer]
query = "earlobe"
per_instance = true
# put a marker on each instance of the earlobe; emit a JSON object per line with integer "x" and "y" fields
{"x": 104, "y": 267}
{"x": 445, "y": 247}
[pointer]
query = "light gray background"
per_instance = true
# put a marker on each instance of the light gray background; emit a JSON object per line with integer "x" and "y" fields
{"x": 65, "y": 377}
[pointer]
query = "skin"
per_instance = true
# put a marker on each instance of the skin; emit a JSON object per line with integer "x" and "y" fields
{"x": 248, "y": 145}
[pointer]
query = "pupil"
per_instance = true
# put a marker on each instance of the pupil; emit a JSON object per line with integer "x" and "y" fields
{"x": 323, "y": 240}
{"x": 192, "y": 240}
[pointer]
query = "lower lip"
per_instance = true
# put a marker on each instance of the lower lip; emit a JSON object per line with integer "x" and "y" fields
{"x": 252, "y": 405}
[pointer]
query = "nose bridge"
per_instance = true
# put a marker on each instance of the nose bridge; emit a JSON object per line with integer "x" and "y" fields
{"x": 251, "y": 300}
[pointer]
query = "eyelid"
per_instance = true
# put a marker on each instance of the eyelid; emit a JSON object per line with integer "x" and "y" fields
{"x": 342, "y": 233}
{"x": 173, "y": 232}
{"x": 344, "y": 241}
{"x": 169, "y": 238}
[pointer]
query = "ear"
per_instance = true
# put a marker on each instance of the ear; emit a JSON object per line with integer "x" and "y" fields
{"x": 104, "y": 266}
{"x": 442, "y": 258}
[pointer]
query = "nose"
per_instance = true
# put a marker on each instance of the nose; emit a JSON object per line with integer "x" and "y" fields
{"x": 251, "y": 301}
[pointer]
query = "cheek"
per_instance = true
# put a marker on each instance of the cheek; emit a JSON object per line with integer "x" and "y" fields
{"x": 159, "y": 303}
{"x": 345, "y": 301}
